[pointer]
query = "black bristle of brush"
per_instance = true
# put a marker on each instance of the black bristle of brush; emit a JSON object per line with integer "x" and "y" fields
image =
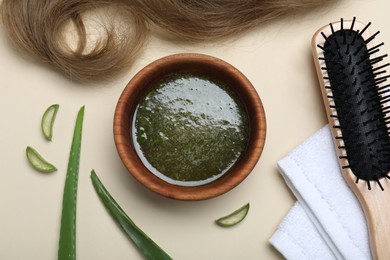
{"x": 360, "y": 101}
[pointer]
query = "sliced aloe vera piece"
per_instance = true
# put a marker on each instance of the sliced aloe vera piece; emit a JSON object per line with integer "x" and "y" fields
{"x": 234, "y": 218}
{"x": 47, "y": 121}
{"x": 145, "y": 244}
{"x": 38, "y": 162}
{"x": 67, "y": 243}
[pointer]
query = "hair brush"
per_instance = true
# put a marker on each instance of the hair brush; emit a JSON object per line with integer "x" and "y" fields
{"x": 353, "y": 78}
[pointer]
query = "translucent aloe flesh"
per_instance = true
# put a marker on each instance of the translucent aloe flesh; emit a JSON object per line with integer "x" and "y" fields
{"x": 47, "y": 121}
{"x": 38, "y": 162}
{"x": 234, "y": 218}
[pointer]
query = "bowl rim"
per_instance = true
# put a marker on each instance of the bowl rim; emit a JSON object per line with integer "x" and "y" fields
{"x": 130, "y": 159}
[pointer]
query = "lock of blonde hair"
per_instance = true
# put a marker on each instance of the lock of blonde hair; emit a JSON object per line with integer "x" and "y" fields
{"x": 41, "y": 28}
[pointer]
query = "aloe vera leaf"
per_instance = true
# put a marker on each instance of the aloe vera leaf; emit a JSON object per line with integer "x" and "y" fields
{"x": 145, "y": 244}
{"x": 38, "y": 162}
{"x": 233, "y": 218}
{"x": 47, "y": 121}
{"x": 67, "y": 243}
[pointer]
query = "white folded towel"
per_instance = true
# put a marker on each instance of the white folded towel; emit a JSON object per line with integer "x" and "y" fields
{"x": 327, "y": 222}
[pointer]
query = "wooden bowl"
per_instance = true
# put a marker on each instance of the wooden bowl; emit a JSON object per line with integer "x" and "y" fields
{"x": 212, "y": 67}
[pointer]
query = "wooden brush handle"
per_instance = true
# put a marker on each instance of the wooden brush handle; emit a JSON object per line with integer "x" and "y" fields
{"x": 375, "y": 202}
{"x": 376, "y": 206}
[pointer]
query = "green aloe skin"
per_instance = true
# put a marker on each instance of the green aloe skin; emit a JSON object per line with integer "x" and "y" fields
{"x": 67, "y": 243}
{"x": 145, "y": 244}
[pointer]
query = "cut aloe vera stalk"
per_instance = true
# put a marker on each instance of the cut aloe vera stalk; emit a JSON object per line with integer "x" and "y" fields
{"x": 145, "y": 244}
{"x": 234, "y": 218}
{"x": 38, "y": 162}
{"x": 67, "y": 243}
{"x": 47, "y": 121}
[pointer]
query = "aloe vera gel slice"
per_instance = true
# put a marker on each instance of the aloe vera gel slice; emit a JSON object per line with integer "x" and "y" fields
{"x": 38, "y": 162}
{"x": 67, "y": 243}
{"x": 47, "y": 121}
{"x": 233, "y": 218}
{"x": 145, "y": 244}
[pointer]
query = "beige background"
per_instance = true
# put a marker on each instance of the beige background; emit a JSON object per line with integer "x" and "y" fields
{"x": 276, "y": 58}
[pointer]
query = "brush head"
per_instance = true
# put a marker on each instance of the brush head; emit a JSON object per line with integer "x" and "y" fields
{"x": 358, "y": 100}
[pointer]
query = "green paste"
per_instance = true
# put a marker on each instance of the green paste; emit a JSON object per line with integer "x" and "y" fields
{"x": 190, "y": 129}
